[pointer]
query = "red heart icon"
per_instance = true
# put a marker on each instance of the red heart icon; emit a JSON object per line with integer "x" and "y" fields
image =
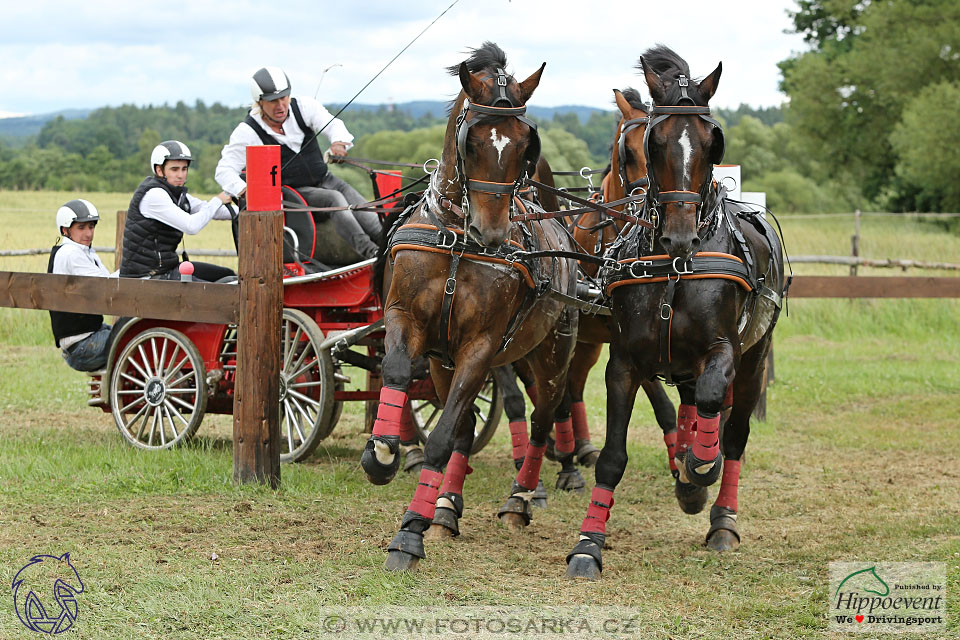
{"x": 859, "y": 618}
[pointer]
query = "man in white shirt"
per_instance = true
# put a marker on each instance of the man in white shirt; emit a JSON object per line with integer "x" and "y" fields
{"x": 160, "y": 212}
{"x": 83, "y": 338}
{"x": 303, "y": 167}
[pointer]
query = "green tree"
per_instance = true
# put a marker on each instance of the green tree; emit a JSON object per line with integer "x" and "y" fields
{"x": 927, "y": 143}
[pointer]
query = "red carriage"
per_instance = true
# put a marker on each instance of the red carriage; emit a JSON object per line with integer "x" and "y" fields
{"x": 163, "y": 376}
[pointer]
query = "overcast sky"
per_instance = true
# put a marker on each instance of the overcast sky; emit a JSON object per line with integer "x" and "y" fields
{"x": 60, "y": 54}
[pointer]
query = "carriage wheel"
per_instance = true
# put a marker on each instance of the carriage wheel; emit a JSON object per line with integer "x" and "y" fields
{"x": 488, "y": 408}
{"x": 306, "y": 387}
{"x": 158, "y": 389}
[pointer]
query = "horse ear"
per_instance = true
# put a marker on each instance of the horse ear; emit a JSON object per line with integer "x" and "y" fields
{"x": 708, "y": 86}
{"x": 653, "y": 83}
{"x": 527, "y": 86}
{"x": 472, "y": 85}
{"x": 625, "y": 107}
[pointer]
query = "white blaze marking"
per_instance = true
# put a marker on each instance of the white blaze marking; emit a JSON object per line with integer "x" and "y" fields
{"x": 687, "y": 154}
{"x": 500, "y": 142}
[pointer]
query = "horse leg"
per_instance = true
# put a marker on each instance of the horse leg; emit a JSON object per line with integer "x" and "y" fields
{"x": 585, "y": 356}
{"x": 409, "y": 440}
{"x": 692, "y": 498}
{"x": 703, "y": 461}
{"x": 406, "y": 549}
{"x": 569, "y": 478}
{"x": 380, "y": 459}
{"x": 666, "y": 417}
{"x": 723, "y": 534}
{"x": 622, "y": 380}
{"x": 549, "y": 361}
{"x": 446, "y": 519}
{"x": 516, "y": 409}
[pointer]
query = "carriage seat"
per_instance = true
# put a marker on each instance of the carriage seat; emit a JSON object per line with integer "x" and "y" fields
{"x": 310, "y": 238}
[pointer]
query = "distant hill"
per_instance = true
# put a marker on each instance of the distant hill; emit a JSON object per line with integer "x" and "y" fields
{"x": 438, "y": 109}
{"x": 16, "y": 131}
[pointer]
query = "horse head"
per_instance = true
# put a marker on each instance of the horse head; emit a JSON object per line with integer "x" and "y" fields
{"x": 493, "y": 145}
{"x": 682, "y": 143}
{"x": 628, "y": 160}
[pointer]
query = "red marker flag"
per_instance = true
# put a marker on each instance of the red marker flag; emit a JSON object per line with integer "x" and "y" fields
{"x": 263, "y": 178}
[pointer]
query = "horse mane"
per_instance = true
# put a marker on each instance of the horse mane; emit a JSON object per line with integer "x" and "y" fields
{"x": 487, "y": 57}
{"x": 632, "y": 96}
{"x": 668, "y": 64}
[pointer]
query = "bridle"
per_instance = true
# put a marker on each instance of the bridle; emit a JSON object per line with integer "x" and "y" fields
{"x": 658, "y": 114}
{"x": 485, "y": 114}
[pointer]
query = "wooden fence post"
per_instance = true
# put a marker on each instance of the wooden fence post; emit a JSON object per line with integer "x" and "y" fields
{"x": 256, "y": 409}
{"x": 855, "y": 242}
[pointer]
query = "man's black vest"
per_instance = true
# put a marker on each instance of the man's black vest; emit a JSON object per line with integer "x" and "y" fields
{"x": 66, "y": 324}
{"x": 306, "y": 169}
{"x": 150, "y": 246}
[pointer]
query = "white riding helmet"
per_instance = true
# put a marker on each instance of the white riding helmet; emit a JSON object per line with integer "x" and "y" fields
{"x": 76, "y": 211}
{"x": 169, "y": 150}
{"x": 269, "y": 83}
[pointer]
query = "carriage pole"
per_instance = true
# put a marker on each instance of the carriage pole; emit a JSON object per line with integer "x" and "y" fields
{"x": 256, "y": 409}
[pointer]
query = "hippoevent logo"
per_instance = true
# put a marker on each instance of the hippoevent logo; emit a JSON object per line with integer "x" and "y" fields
{"x": 45, "y": 594}
{"x": 888, "y": 596}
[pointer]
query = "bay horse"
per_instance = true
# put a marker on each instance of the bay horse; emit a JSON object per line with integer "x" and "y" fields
{"x": 463, "y": 290}
{"x": 695, "y": 299}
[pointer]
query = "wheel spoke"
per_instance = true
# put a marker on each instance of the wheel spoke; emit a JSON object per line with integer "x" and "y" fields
{"x": 173, "y": 427}
{"x": 153, "y": 426}
{"x": 297, "y": 369}
{"x": 130, "y": 422}
{"x": 174, "y": 370}
{"x": 301, "y": 385}
{"x": 484, "y": 398}
{"x": 176, "y": 383}
{"x": 429, "y": 421}
{"x": 288, "y": 419}
{"x": 169, "y": 368}
{"x": 300, "y": 396}
{"x": 136, "y": 365}
{"x": 145, "y": 361}
{"x": 173, "y": 410}
{"x": 288, "y": 355}
{"x": 306, "y": 414}
{"x": 141, "y": 383}
{"x": 163, "y": 356}
{"x": 185, "y": 405}
{"x": 126, "y": 408}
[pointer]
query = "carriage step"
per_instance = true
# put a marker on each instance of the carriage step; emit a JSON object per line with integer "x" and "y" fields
{"x": 95, "y": 388}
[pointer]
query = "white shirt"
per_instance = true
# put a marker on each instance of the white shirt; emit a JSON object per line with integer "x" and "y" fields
{"x": 233, "y": 158}
{"x": 75, "y": 259}
{"x": 157, "y": 205}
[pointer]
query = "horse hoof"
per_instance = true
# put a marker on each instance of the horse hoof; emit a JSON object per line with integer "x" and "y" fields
{"x": 723, "y": 540}
{"x": 413, "y": 461}
{"x": 514, "y": 521}
{"x": 586, "y": 453}
{"x": 583, "y": 566}
{"x": 401, "y": 561}
{"x": 539, "y": 498}
{"x": 380, "y": 460}
{"x": 702, "y": 473}
{"x": 571, "y": 481}
{"x": 691, "y": 498}
{"x": 438, "y": 532}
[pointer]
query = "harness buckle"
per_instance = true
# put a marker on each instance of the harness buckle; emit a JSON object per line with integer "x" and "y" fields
{"x": 666, "y": 311}
{"x": 450, "y": 286}
{"x": 442, "y": 235}
{"x": 642, "y": 263}
{"x": 687, "y": 267}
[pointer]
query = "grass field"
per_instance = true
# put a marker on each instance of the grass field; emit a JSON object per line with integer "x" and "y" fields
{"x": 856, "y": 462}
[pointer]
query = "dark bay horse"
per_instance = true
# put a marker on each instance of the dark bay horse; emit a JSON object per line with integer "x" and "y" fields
{"x": 695, "y": 300}
{"x": 462, "y": 291}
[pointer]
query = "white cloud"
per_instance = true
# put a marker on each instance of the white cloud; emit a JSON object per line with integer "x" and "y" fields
{"x": 110, "y": 52}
